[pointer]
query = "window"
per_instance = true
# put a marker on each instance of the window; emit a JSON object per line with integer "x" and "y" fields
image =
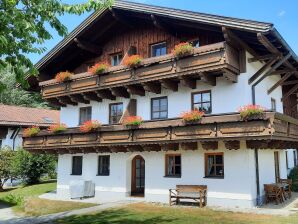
{"x": 273, "y": 104}
{"x": 85, "y": 114}
{"x": 287, "y": 162}
{"x": 202, "y": 101}
{"x": 77, "y": 162}
{"x": 173, "y": 165}
{"x": 103, "y": 166}
{"x": 214, "y": 165}
{"x": 159, "y": 108}
{"x": 116, "y": 59}
{"x": 195, "y": 43}
{"x": 158, "y": 49}
{"x": 116, "y": 111}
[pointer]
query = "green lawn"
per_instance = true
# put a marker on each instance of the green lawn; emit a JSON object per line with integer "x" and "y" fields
{"x": 153, "y": 214}
{"x": 25, "y": 201}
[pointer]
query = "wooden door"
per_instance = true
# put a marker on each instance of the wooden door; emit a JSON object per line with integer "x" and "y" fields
{"x": 138, "y": 176}
{"x": 276, "y": 166}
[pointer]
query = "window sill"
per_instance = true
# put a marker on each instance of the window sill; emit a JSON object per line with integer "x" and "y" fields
{"x": 75, "y": 174}
{"x": 207, "y": 177}
{"x": 102, "y": 175}
{"x": 176, "y": 176}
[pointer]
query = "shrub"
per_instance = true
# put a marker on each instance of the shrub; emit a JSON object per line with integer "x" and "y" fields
{"x": 133, "y": 61}
{"x": 182, "y": 50}
{"x": 6, "y": 170}
{"x": 57, "y": 128}
{"x": 31, "y": 167}
{"x": 98, "y": 68}
{"x": 63, "y": 76}
{"x": 294, "y": 176}
{"x": 90, "y": 126}
{"x": 251, "y": 111}
{"x": 132, "y": 121}
{"x": 193, "y": 115}
{"x": 33, "y": 131}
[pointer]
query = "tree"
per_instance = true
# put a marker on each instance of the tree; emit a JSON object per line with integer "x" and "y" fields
{"x": 17, "y": 96}
{"x": 6, "y": 170}
{"x": 30, "y": 167}
{"x": 23, "y": 30}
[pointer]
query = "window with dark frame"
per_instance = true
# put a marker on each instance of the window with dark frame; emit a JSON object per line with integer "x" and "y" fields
{"x": 159, "y": 108}
{"x": 85, "y": 114}
{"x": 158, "y": 49}
{"x": 116, "y": 112}
{"x": 273, "y": 104}
{"x": 103, "y": 165}
{"x": 173, "y": 165}
{"x": 77, "y": 163}
{"x": 202, "y": 101}
{"x": 116, "y": 59}
{"x": 214, "y": 165}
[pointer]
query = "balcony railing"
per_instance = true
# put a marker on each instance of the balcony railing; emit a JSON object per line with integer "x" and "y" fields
{"x": 274, "y": 130}
{"x": 206, "y": 63}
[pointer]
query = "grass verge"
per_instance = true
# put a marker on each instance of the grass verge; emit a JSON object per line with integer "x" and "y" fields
{"x": 24, "y": 200}
{"x": 153, "y": 214}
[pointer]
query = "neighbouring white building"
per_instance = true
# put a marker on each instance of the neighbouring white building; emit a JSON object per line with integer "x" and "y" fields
{"x": 234, "y": 63}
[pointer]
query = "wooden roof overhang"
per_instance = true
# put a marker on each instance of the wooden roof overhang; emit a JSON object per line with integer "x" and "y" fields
{"x": 206, "y": 63}
{"x": 272, "y": 131}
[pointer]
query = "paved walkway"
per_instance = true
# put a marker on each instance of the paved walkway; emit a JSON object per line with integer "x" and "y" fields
{"x": 6, "y": 213}
{"x": 50, "y": 218}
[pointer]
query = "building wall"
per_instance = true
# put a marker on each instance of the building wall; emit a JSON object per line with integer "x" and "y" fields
{"x": 8, "y": 140}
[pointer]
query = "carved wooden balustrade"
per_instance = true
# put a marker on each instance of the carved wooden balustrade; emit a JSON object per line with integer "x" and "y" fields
{"x": 206, "y": 63}
{"x": 275, "y": 131}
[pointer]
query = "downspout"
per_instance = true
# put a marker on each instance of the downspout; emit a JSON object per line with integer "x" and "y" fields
{"x": 14, "y": 138}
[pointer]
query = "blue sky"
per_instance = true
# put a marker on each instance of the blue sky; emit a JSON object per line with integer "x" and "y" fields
{"x": 282, "y": 13}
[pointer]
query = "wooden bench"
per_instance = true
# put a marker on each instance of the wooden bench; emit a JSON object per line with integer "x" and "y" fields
{"x": 198, "y": 193}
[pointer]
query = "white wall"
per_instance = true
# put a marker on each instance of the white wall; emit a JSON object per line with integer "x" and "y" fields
{"x": 8, "y": 141}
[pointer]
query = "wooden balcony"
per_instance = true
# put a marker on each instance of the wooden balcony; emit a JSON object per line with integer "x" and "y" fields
{"x": 207, "y": 63}
{"x": 273, "y": 131}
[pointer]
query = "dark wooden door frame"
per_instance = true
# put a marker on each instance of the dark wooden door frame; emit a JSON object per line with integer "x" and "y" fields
{"x": 134, "y": 190}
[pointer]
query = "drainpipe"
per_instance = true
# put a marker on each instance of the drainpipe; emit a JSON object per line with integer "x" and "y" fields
{"x": 14, "y": 138}
{"x": 258, "y": 199}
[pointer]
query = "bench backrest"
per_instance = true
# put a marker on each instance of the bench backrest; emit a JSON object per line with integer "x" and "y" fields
{"x": 190, "y": 188}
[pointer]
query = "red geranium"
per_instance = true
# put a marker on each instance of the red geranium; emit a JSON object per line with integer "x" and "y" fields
{"x": 193, "y": 115}
{"x": 251, "y": 110}
{"x": 133, "y": 61}
{"x": 90, "y": 126}
{"x": 63, "y": 76}
{"x": 56, "y": 128}
{"x": 29, "y": 132}
{"x": 182, "y": 49}
{"x": 132, "y": 121}
{"x": 98, "y": 68}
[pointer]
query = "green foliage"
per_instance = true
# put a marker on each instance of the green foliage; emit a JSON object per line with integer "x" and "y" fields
{"x": 31, "y": 167}
{"x": 294, "y": 176}
{"x": 10, "y": 95}
{"x": 23, "y": 29}
{"x": 6, "y": 161}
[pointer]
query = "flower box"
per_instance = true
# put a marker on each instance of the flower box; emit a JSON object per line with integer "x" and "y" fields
{"x": 99, "y": 68}
{"x": 252, "y": 112}
{"x": 182, "y": 50}
{"x": 57, "y": 128}
{"x": 63, "y": 76}
{"x": 89, "y": 126}
{"x": 30, "y": 132}
{"x": 193, "y": 116}
{"x": 132, "y": 121}
{"x": 133, "y": 61}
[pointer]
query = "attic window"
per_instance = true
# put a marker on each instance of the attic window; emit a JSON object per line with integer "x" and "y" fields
{"x": 158, "y": 49}
{"x": 116, "y": 59}
{"x": 48, "y": 120}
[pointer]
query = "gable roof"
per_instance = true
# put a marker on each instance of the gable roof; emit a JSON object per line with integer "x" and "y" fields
{"x": 26, "y": 116}
{"x": 246, "y": 27}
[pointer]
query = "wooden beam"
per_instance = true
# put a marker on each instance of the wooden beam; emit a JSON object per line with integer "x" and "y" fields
{"x": 267, "y": 44}
{"x": 280, "y": 82}
{"x": 232, "y": 145}
{"x": 121, "y": 19}
{"x": 290, "y": 92}
{"x": 188, "y": 82}
{"x": 230, "y": 76}
{"x": 209, "y": 79}
{"x": 56, "y": 102}
{"x": 292, "y": 82}
{"x": 67, "y": 100}
{"x": 152, "y": 87}
{"x": 117, "y": 149}
{"x": 261, "y": 58}
{"x": 91, "y": 96}
{"x": 262, "y": 69}
{"x": 134, "y": 148}
{"x": 160, "y": 25}
{"x": 105, "y": 94}
{"x": 169, "y": 84}
{"x": 88, "y": 47}
{"x": 207, "y": 145}
{"x": 152, "y": 147}
{"x": 78, "y": 98}
{"x": 284, "y": 71}
{"x": 136, "y": 90}
{"x": 233, "y": 40}
{"x": 170, "y": 147}
{"x": 120, "y": 92}
{"x": 189, "y": 146}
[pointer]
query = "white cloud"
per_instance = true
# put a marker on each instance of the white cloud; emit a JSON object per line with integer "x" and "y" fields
{"x": 281, "y": 13}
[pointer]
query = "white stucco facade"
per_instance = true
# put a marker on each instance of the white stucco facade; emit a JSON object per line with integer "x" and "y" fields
{"x": 237, "y": 188}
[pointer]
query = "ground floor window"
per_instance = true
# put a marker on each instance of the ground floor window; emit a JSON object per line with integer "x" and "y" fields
{"x": 77, "y": 163}
{"x": 214, "y": 165}
{"x": 173, "y": 165}
{"x": 103, "y": 166}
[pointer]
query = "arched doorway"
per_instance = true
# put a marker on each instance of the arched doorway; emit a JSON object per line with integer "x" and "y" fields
{"x": 138, "y": 176}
